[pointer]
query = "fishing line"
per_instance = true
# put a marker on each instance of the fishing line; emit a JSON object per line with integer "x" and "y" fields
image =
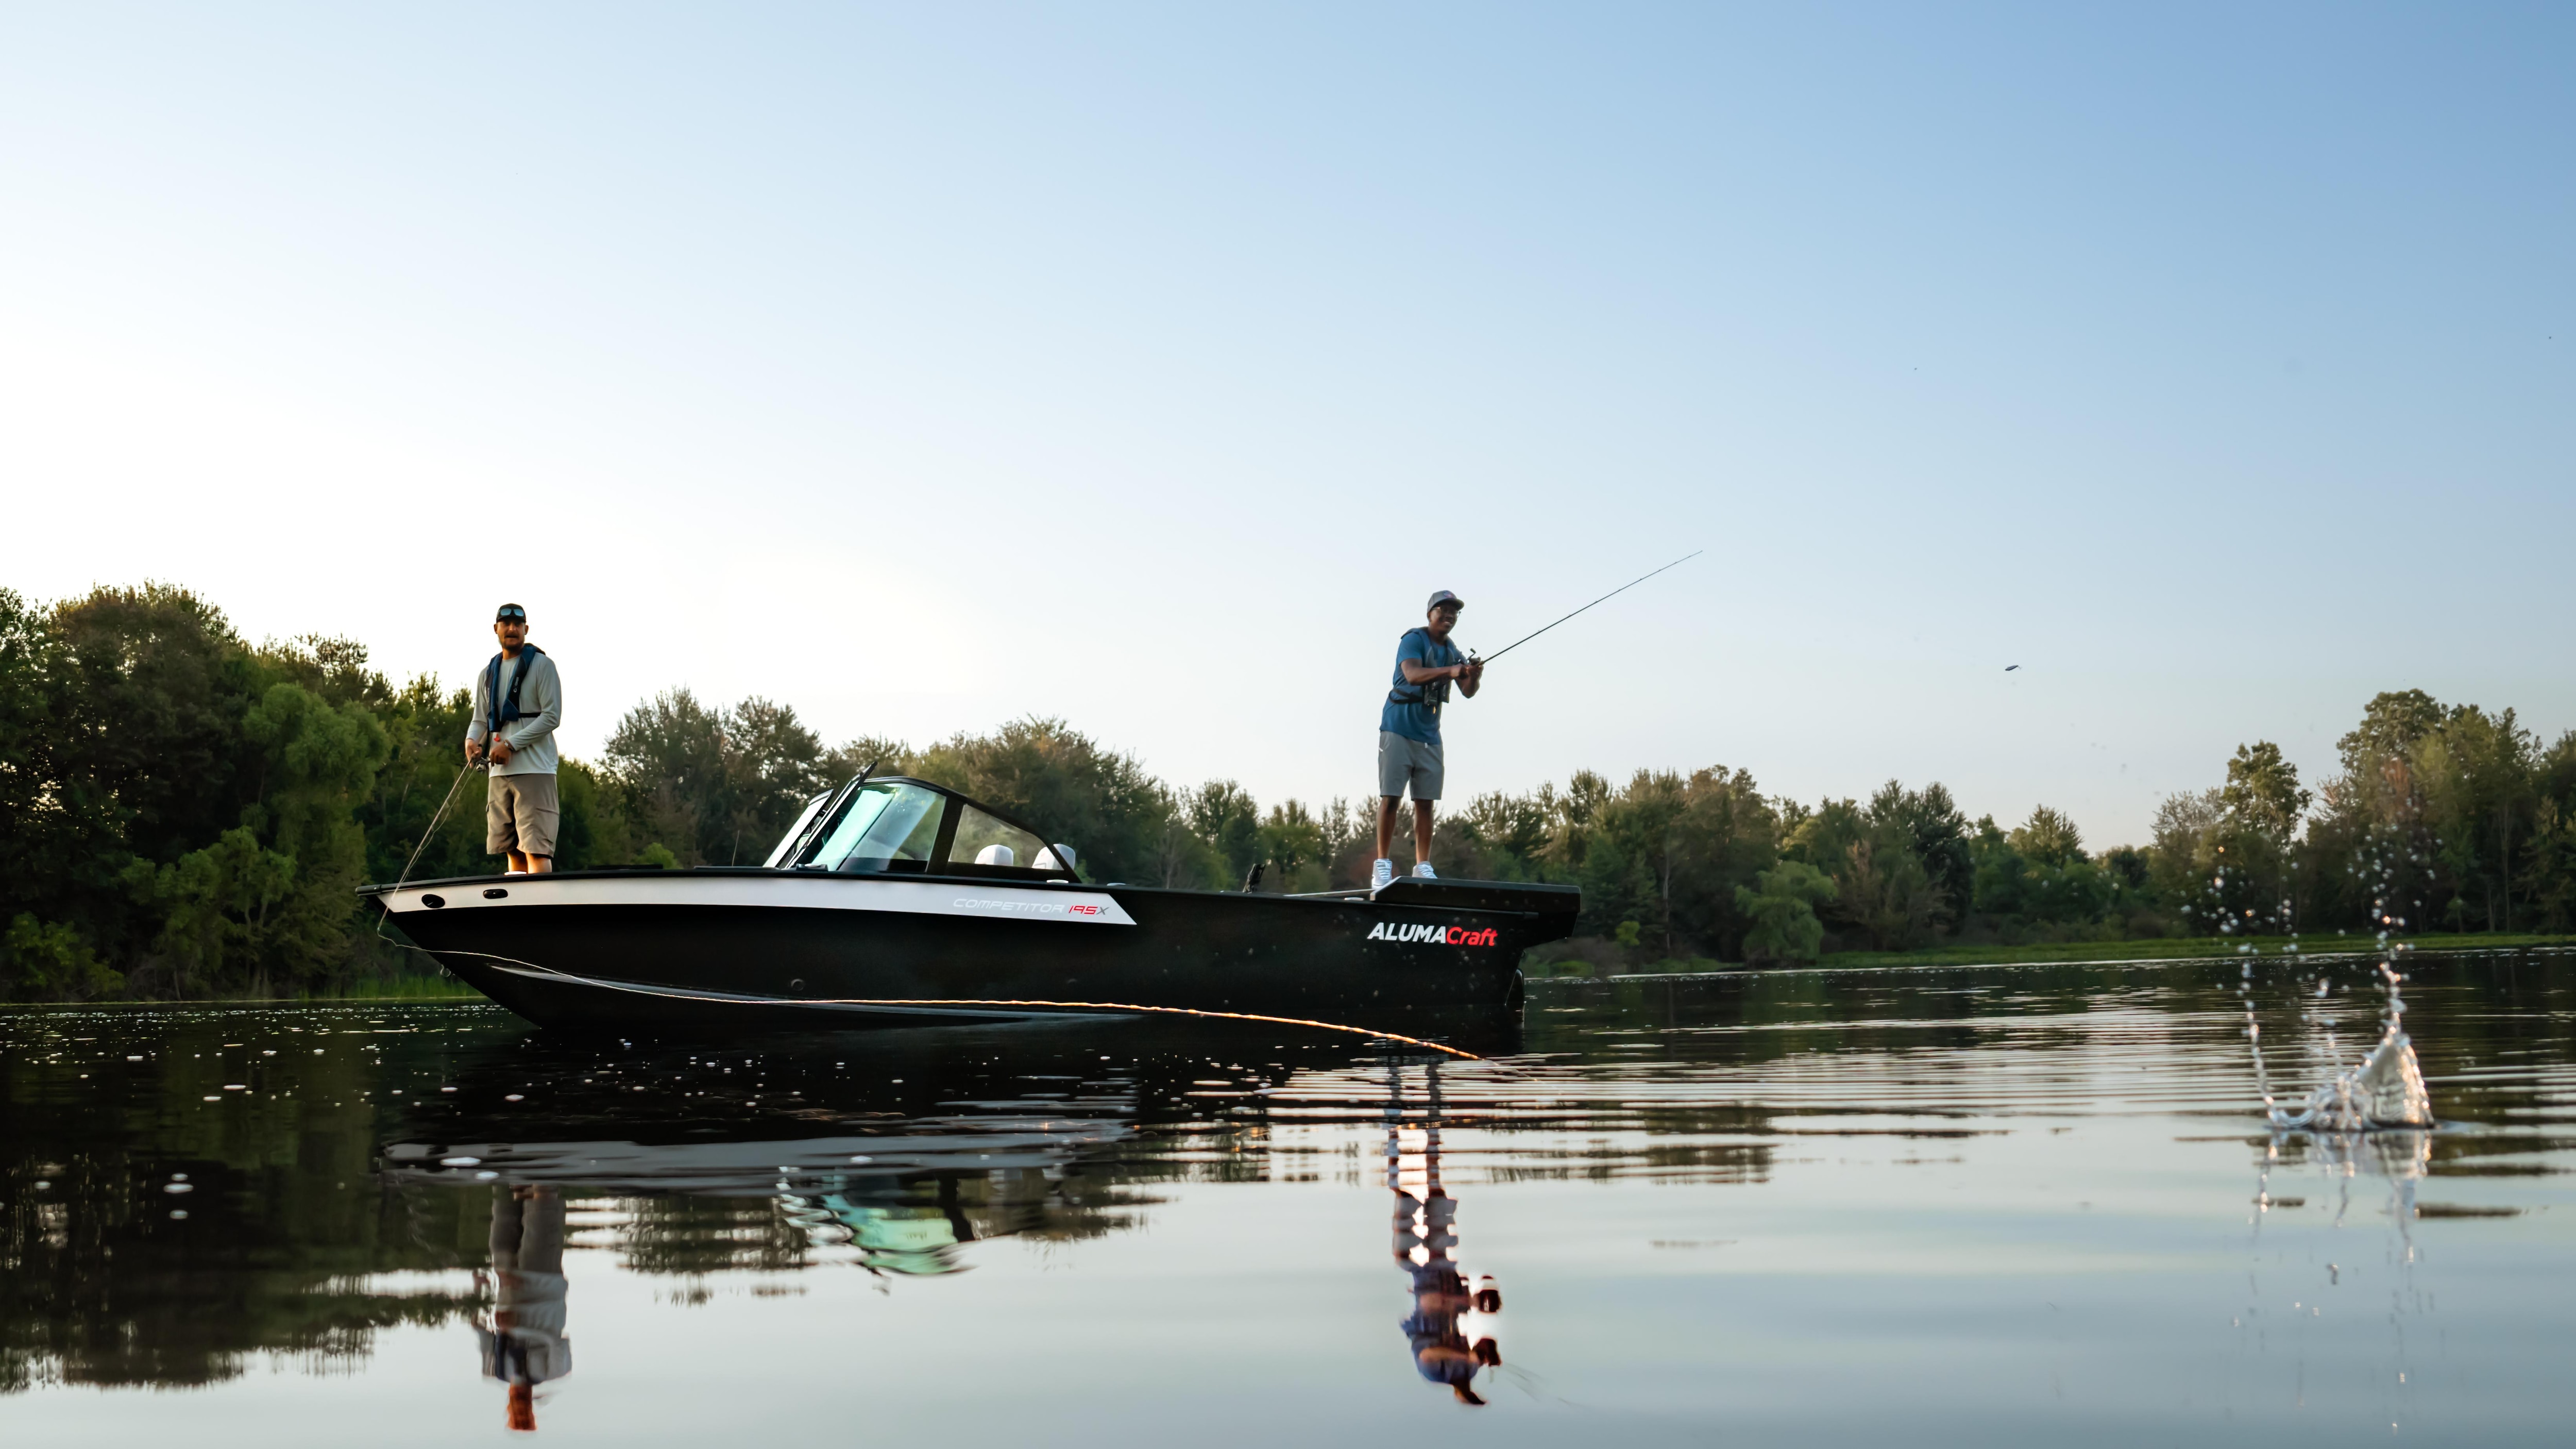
{"x": 1614, "y": 593}
{"x": 966, "y": 1001}
{"x": 435, "y": 817}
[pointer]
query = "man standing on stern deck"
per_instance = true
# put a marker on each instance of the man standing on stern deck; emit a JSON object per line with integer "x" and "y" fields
{"x": 517, "y": 704}
{"x": 1408, "y": 731}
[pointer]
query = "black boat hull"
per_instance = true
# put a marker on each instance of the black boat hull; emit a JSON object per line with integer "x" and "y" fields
{"x": 706, "y": 951}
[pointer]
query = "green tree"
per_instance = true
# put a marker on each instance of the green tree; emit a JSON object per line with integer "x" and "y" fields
{"x": 2390, "y": 725}
{"x": 2473, "y": 776}
{"x": 1930, "y": 827}
{"x": 1292, "y": 842}
{"x": 1780, "y": 911}
{"x": 270, "y": 902}
{"x": 1043, "y": 771}
{"x": 715, "y": 786}
{"x": 1225, "y": 817}
{"x": 2048, "y": 838}
{"x": 2263, "y": 791}
{"x": 42, "y": 962}
{"x": 1901, "y": 865}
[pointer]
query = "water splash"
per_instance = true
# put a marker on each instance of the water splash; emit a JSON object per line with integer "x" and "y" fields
{"x": 2385, "y": 1089}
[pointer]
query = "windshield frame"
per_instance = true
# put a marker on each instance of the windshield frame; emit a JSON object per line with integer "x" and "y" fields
{"x": 819, "y": 829}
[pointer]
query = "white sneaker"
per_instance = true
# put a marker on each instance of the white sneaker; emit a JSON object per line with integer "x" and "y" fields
{"x": 1381, "y": 875}
{"x": 1422, "y": 868}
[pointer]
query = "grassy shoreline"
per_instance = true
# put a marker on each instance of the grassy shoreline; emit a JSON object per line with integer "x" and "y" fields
{"x": 359, "y": 993}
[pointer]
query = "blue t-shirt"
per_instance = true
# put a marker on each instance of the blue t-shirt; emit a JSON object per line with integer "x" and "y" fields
{"x": 1409, "y": 711}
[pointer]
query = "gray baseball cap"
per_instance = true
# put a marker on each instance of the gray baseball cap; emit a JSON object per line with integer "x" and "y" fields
{"x": 1443, "y": 597}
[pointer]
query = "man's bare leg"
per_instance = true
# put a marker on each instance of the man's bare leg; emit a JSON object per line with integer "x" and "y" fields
{"x": 1421, "y": 831}
{"x": 1386, "y": 827}
{"x": 541, "y": 864}
{"x": 518, "y": 862}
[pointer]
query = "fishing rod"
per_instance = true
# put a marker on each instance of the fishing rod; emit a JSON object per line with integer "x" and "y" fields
{"x": 466, "y": 769}
{"x": 1623, "y": 588}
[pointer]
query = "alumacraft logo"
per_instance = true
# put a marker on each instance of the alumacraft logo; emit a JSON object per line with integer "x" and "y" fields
{"x": 1443, "y": 935}
{"x": 1030, "y": 908}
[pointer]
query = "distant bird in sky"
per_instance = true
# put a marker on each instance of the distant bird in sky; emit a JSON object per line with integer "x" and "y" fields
{"x": 2009, "y": 668}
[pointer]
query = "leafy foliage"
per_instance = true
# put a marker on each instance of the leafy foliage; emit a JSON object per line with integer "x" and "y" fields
{"x": 1781, "y": 909}
{"x": 183, "y": 814}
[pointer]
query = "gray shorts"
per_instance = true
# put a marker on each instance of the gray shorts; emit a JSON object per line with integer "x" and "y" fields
{"x": 519, "y": 813}
{"x": 1402, "y": 762}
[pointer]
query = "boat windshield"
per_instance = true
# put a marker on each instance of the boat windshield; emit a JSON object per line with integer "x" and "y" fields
{"x": 983, "y": 840}
{"x": 882, "y": 826}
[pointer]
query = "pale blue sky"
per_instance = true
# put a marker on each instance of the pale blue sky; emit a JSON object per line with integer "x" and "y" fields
{"x": 924, "y": 367}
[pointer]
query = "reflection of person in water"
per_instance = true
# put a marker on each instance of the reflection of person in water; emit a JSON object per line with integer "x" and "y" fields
{"x": 1452, "y": 1328}
{"x": 524, "y": 1345}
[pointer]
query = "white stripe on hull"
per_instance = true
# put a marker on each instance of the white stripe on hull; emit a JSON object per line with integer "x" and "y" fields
{"x": 823, "y": 893}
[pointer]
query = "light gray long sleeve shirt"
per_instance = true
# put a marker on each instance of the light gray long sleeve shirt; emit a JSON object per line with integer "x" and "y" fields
{"x": 531, "y": 735}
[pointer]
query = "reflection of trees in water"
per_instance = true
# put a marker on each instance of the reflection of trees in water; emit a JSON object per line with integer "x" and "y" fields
{"x": 288, "y": 1216}
{"x": 697, "y": 1236}
{"x": 700, "y": 1236}
{"x": 100, "y": 1284}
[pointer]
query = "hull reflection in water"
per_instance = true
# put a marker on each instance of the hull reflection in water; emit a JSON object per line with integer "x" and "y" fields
{"x": 960, "y": 1149}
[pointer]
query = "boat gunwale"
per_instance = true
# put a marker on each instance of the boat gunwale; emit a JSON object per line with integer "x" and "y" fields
{"x": 379, "y": 891}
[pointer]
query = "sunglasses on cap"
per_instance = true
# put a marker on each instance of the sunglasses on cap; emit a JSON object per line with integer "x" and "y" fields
{"x": 510, "y": 614}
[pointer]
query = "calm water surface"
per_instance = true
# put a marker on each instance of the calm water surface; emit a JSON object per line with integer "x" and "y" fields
{"x": 1979, "y": 1205}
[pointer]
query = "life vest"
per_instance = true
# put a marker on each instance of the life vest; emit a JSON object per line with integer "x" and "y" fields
{"x": 504, "y": 706}
{"x": 1431, "y": 694}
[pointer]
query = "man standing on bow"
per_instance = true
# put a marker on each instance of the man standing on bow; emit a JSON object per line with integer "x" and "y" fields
{"x": 1408, "y": 731}
{"x": 517, "y": 704}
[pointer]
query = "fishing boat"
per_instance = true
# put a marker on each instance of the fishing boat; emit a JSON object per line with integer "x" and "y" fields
{"x": 895, "y": 901}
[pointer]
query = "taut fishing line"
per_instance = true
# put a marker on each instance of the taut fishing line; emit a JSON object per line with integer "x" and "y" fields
{"x": 435, "y": 817}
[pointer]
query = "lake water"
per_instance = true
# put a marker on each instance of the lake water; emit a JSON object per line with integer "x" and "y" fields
{"x": 1977, "y": 1205}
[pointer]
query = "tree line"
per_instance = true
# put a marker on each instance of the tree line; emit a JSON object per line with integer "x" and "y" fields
{"x": 184, "y": 813}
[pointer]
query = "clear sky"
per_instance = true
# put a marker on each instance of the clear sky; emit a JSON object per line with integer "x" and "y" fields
{"x": 926, "y": 366}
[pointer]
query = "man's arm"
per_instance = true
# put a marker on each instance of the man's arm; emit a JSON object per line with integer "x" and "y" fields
{"x": 1470, "y": 675}
{"x": 1424, "y": 674}
{"x": 475, "y": 732}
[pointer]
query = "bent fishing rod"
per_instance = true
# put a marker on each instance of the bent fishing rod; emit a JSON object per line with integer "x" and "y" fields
{"x": 1614, "y": 593}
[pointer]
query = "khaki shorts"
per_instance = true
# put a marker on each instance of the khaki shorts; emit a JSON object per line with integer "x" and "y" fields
{"x": 1402, "y": 762}
{"x": 519, "y": 813}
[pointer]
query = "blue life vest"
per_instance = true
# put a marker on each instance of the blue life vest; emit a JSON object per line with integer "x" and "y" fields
{"x": 504, "y": 705}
